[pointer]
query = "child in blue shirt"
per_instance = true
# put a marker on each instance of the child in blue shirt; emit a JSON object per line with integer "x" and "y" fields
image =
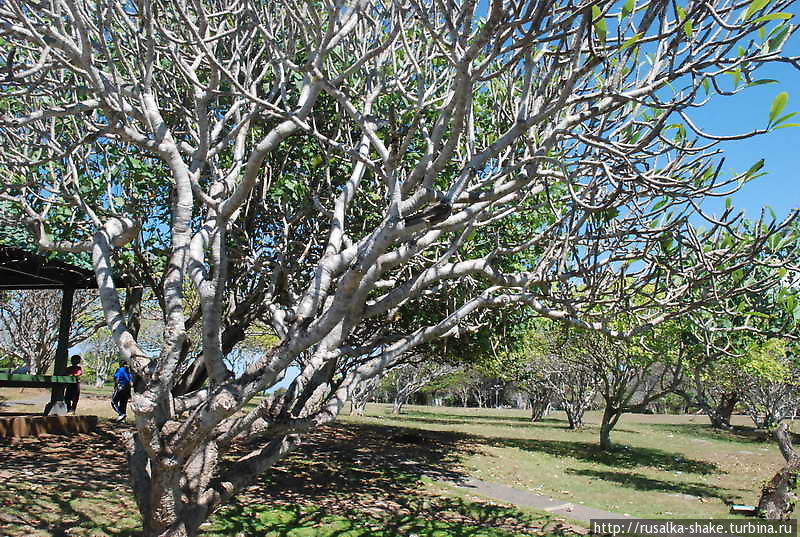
{"x": 122, "y": 390}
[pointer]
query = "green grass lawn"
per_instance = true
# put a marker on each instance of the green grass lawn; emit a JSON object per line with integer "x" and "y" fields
{"x": 663, "y": 466}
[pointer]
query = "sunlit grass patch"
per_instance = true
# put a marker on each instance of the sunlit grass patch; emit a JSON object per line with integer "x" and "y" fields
{"x": 663, "y": 466}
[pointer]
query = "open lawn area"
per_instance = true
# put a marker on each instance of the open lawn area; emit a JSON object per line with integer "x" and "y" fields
{"x": 387, "y": 475}
{"x": 664, "y": 466}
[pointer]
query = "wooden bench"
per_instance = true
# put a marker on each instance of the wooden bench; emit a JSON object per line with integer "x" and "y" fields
{"x": 56, "y": 382}
{"x": 18, "y": 380}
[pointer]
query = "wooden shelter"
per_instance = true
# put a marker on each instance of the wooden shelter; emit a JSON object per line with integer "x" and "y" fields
{"x": 21, "y": 269}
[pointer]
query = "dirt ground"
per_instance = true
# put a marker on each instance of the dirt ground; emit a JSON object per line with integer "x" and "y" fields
{"x": 368, "y": 477}
{"x": 93, "y": 402}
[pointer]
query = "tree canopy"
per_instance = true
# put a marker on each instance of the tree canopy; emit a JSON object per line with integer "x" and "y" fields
{"x": 323, "y": 168}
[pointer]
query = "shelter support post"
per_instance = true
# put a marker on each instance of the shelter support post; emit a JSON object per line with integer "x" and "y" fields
{"x": 57, "y": 405}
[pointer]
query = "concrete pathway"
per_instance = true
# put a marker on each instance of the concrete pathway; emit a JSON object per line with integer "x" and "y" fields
{"x": 524, "y": 498}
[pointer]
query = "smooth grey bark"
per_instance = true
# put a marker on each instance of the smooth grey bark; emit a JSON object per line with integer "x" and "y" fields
{"x": 360, "y": 395}
{"x": 575, "y": 417}
{"x": 575, "y": 421}
{"x": 610, "y": 418}
{"x": 398, "y": 404}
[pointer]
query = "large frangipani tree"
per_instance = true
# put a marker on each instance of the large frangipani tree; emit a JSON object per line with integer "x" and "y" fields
{"x": 324, "y": 167}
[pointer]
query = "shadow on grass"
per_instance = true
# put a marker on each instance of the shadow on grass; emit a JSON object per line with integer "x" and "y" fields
{"x": 640, "y": 482}
{"x": 414, "y": 421}
{"x": 421, "y": 516}
{"x": 66, "y": 485}
{"x": 345, "y": 479}
{"x": 431, "y": 421}
{"x": 521, "y": 419}
{"x": 351, "y": 462}
{"x": 436, "y": 418}
{"x": 705, "y": 431}
{"x": 618, "y": 457}
{"x": 367, "y": 480}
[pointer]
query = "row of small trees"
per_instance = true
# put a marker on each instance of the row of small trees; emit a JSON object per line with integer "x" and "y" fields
{"x": 575, "y": 370}
{"x": 550, "y": 365}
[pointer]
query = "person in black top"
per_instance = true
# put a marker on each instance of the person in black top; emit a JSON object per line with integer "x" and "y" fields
{"x": 73, "y": 391}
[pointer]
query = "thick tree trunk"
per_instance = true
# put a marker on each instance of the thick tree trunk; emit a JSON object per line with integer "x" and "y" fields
{"x": 160, "y": 509}
{"x": 721, "y": 415}
{"x": 575, "y": 418}
{"x": 605, "y": 436}
{"x": 779, "y": 495}
{"x": 166, "y": 509}
{"x": 397, "y": 407}
{"x": 610, "y": 417}
{"x": 166, "y": 512}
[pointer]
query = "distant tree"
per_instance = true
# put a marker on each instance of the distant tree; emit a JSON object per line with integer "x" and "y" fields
{"x": 29, "y": 325}
{"x": 771, "y": 384}
{"x": 713, "y": 379}
{"x": 728, "y": 350}
{"x": 630, "y": 375}
{"x": 540, "y": 394}
{"x": 552, "y": 367}
{"x": 407, "y": 379}
{"x": 717, "y": 391}
{"x": 575, "y": 387}
{"x": 532, "y": 376}
{"x": 460, "y": 385}
{"x": 484, "y": 389}
{"x": 101, "y": 356}
{"x": 361, "y": 395}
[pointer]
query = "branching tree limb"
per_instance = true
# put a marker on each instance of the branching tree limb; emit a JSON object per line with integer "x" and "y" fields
{"x": 323, "y": 167}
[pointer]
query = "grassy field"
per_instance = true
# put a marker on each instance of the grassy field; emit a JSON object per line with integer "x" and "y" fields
{"x": 360, "y": 477}
{"x": 77, "y": 487}
{"x": 664, "y": 466}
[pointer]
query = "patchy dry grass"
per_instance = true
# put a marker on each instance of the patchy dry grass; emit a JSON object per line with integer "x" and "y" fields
{"x": 348, "y": 480}
{"x": 663, "y": 466}
{"x": 377, "y": 475}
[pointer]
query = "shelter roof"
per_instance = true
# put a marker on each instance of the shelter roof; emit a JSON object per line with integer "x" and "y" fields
{"x": 21, "y": 269}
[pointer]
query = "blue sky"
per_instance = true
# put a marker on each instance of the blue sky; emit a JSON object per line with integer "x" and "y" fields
{"x": 780, "y": 188}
